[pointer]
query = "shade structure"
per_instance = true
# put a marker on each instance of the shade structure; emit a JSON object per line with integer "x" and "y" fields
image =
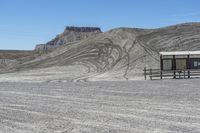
{"x": 180, "y": 53}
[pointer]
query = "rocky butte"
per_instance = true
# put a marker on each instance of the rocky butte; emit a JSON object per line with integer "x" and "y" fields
{"x": 70, "y": 34}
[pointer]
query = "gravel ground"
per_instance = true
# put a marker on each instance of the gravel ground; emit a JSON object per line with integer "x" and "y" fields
{"x": 89, "y": 107}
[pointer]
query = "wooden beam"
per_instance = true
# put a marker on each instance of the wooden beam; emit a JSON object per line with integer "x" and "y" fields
{"x": 150, "y": 74}
{"x": 145, "y": 73}
{"x": 188, "y": 65}
{"x": 161, "y": 66}
{"x": 174, "y": 65}
{"x": 161, "y": 63}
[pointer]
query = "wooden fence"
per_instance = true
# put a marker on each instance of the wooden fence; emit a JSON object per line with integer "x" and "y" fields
{"x": 160, "y": 74}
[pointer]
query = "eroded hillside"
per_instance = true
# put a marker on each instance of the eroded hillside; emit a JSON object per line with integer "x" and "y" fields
{"x": 119, "y": 54}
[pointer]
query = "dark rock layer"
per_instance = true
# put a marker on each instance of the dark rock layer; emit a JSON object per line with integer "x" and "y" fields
{"x": 82, "y": 29}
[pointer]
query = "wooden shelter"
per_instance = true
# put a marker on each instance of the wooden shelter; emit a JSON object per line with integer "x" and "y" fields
{"x": 177, "y": 64}
{"x": 179, "y": 61}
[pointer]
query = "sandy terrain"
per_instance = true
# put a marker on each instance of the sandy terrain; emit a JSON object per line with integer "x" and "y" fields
{"x": 89, "y": 107}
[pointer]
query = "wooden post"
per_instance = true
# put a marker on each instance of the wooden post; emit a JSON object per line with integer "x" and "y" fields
{"x": 161, "y": 63}
{"x": 150, "y": 74}
{"x": 161, "y": 66}
{"x": 174, "y": 66}
{"x": 188, "y": 65}
{"x": 189, "y": 73}
{"x": 145, "y": 73}
{"x": 184, "y": 74}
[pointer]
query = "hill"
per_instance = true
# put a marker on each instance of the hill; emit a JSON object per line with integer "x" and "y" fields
{"x": 11, "y": 58}
{"x": 119, "y": 54}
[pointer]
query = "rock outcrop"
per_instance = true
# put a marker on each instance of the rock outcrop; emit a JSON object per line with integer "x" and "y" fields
{"x": 71, "y": 34}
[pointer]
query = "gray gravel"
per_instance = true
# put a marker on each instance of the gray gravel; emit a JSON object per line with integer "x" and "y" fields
{"x": 89, "y": 107}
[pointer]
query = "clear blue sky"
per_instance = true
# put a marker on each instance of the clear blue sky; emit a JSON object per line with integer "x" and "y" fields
{"x": 24, "y": 23}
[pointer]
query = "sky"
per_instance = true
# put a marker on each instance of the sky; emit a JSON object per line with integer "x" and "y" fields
{"x": 25, "y": 23}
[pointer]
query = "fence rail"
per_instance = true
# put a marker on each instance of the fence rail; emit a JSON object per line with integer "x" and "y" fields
{"x": 184, "y": 73}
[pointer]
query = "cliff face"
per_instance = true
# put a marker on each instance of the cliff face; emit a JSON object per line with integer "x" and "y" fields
{"x": 71, "y": 34}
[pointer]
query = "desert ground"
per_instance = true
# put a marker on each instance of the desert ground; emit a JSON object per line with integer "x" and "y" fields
{"x": 88, "y": 107}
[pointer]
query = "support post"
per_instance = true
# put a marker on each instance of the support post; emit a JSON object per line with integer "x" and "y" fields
{"x": 161, "y": 66}
{"x": 189, "y": 73}
{"x": 145, "y": 73}
{"x": 161, "y": 63}
{"x": 184, "y": 74}
{"x": 188, "y": 65}
{"x": 150, "y": 74}
{"x": 174, "y": 66}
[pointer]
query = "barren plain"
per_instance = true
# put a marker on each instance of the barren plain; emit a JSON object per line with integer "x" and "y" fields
{"x": 102, "y": 107}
